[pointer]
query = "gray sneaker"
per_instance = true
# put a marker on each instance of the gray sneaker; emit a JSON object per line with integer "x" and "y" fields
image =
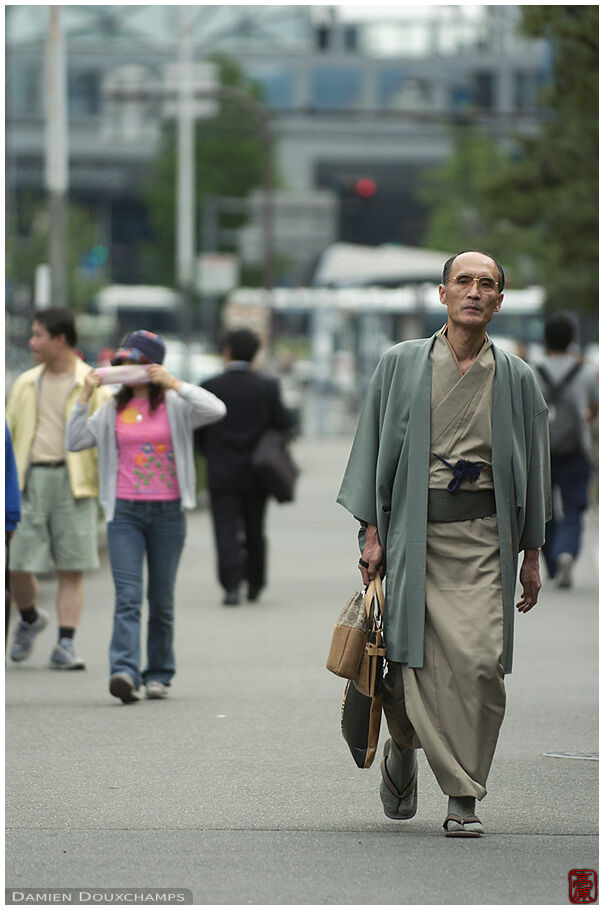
{"x": 122, "y": 686}
{"x": 564, "y": 570}
{"x": 155, "y": 689}
{"x": 25, "y": 635}
{"x": 64, "y": 656}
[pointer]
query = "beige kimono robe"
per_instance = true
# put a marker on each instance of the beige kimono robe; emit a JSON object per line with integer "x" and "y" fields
{"x": 453, "y": 706}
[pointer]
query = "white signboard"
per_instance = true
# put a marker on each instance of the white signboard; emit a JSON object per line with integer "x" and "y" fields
{"x": 200, "y": 81}
{"x": 42, "y": 286}
{"x": 217, "y": 273}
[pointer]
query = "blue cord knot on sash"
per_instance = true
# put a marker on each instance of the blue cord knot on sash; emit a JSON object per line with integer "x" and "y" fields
{"x": 463, "y": 470}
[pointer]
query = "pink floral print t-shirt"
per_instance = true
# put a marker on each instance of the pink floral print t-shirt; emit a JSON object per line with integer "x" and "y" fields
{"x": 145, "y": 457}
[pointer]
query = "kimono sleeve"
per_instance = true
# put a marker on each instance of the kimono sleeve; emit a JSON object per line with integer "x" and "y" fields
{"x": 358, "y": 489}
{"x": 538, "y": 485}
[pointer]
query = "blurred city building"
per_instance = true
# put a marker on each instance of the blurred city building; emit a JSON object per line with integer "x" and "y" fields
{"x": 362, "y": 100}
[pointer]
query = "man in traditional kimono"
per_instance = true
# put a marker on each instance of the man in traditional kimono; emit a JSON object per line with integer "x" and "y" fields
{"x": 449, "y": 478}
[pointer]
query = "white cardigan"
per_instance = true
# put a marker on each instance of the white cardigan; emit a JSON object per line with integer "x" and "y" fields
{"x": 187, "y": 409}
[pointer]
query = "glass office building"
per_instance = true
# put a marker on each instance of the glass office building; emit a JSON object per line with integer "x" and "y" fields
{"x": 353, "y": 93}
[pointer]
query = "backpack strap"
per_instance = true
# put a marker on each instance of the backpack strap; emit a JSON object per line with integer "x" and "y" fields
{"x": 555, "y": 388}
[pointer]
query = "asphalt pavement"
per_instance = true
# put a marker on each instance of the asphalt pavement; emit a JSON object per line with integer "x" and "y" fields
{"x": 239, "y": 786}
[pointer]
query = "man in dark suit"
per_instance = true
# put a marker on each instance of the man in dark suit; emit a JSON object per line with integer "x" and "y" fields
{"x": 238, "y": 501}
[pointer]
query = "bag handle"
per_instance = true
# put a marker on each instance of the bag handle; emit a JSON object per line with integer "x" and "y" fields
{"x": 374, "y": 593}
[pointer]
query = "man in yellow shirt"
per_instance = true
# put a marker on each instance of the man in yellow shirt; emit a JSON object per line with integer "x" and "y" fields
{"x": 59, "y": 488}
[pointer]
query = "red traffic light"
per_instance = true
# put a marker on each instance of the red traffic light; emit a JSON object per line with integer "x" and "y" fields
{"x": 365, "y": 187}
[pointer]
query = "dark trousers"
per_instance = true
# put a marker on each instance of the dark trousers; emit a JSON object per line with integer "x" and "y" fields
{"x": 570, "y": 475}
{"x": 238, "y": 517}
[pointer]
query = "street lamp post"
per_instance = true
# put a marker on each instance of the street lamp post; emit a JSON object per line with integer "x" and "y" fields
{"x": 185, "y": 204}
{"x": 56, "y": 156}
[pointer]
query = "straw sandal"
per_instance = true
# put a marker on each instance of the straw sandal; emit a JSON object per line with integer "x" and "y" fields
{"x": 399, "y": 806}
{"x": 470, "y": 826}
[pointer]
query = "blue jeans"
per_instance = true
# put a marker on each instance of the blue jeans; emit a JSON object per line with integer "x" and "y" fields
{"x": 570, "y": 474}
{"x": 159, "y": 530}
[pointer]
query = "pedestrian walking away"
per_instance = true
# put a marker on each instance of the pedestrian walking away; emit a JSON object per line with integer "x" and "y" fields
{"x": 144, "y": 436}
{"x": 60, "y": 489}
{"x": 238, "y": 499}
{"x": 449, "y": 478}
{"x": 570, "y": 388}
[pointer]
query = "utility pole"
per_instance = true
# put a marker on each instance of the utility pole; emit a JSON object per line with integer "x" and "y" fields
{"x": 56, "y": 156}
{"x": 268, "y": 214}
{"x": 210, "y": 243}
{"x": 185, "y": 207}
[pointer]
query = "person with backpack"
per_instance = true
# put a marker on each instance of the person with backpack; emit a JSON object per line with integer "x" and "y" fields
{"x": 570, "y": 389}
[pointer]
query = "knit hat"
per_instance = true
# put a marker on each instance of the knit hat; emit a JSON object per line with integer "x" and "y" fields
{"x": 141, "y": 347}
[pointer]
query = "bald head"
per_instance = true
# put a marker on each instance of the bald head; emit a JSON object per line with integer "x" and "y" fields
{"x": 448, "y": 264}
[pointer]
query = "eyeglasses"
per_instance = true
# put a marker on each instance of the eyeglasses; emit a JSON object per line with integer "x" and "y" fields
{"x": 483, "y": 281}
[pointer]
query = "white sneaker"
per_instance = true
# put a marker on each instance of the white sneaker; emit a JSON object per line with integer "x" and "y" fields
{"x": 155, "y": 689}
{"x": 564, "y": 567}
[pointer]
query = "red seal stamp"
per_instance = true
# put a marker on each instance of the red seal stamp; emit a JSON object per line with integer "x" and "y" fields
{"x": 582, "y": 886}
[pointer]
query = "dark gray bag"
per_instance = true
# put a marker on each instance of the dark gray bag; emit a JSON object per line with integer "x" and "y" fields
{"x": 564, "y": 419}
{"x": 274, "y": 466}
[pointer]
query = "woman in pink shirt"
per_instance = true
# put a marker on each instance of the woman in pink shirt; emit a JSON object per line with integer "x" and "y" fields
{"x": 144, "y": 438}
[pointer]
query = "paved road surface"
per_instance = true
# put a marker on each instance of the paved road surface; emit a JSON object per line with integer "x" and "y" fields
{"x": 240, "y": 787}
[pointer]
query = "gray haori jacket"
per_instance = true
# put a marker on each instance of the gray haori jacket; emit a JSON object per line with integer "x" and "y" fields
{"x": 386, "y": 482}
{"x": 187, "y": 409}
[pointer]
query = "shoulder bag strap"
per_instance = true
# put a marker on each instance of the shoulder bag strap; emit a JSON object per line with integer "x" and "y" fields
{"x": 554, "y": 388}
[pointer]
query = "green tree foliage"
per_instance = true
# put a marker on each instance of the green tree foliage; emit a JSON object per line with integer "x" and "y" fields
{"x": 228, "y": 163}
{"x": 28, "y": 245}
{"x": 533, "y": 201}
{"x": 563, "y": 159}
{"x": 458, "y": 194}
{"x": 469, "y": 211}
